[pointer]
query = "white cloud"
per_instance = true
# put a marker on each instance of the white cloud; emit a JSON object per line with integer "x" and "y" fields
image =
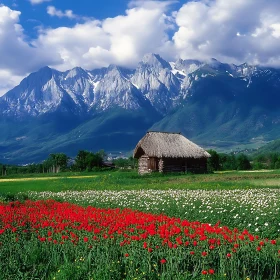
{"x": 121, "y": 40}
{"x": 130, "y": 40}
{"x": 35, "y": 2}
{"x": 52, "y": 11}
{"x": 75, "y": 45}
{"x": 233, "y": 31}
{"x": 8, "y": 80}
{"x": 151, "y": 4}
{"x": 276, "y": 30}
{"x": 18, "y": 57}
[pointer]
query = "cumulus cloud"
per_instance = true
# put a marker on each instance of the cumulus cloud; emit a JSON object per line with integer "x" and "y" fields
{"x": 35, "y": 2}
{"x": 276, "y": 30}
{"x": 8, "y": 80}
{"x": 18, "y": 57}
{"x": 122, "y": 40}
{"x": 16, "y": 52}
{"x": 231, "y": 31}
{"x": 52, "y": 11}
{"x": 234, "y": 31}
{"x": 131, "y": 40}
{"x": 73, "y": 44}
{"x": 151, "y": 4}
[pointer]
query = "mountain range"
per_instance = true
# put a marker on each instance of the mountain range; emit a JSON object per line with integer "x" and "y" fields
{"x": 217, "y": 105}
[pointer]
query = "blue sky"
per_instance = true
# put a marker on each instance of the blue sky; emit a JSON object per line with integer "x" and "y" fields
{"x": 93, "y": 34}
{"x": 33, "y": 15}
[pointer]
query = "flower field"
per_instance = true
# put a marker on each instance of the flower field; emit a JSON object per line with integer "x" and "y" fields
{"x": 257, "y": 210}
{"x": 46, "y": 239}
{"x": 122, "y": 226}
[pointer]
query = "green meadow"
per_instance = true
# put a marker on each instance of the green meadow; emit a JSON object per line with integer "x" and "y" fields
{"x": 241, "y": 204}
{"x": 130, "y": 180}
{"x": 235, "y": 198}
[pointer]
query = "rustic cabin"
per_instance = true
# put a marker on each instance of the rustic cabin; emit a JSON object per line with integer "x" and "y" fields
{"x": 169, "y": 152}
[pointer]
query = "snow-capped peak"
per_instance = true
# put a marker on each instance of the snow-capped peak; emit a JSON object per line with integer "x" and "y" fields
{"x": 156, "y": 61}
{"x": 156, "y": 81}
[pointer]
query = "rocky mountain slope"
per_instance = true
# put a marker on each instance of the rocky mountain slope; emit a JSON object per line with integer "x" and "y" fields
{"x": 215, "y": 104}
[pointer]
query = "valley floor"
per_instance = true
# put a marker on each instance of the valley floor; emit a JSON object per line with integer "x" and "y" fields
{"x": 228, "y": 205}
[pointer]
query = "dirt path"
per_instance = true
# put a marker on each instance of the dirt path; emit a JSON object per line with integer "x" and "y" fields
{"x": 45, "y": 178}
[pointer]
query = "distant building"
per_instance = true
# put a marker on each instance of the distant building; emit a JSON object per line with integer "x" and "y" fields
{"x": 169, "y": 152}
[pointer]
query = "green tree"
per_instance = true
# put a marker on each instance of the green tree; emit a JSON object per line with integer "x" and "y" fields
{"x": 121, "y": 162}
{"x": 3, "y": 169}
{"x": 277, "y": 164}
{"x": 126, "y": 162}
{"x": 102, "y": 154}
{"x": 272, "y": 160}
{"x": 86, "y": 160}
{"x": 259, "y": 162}
{"x": 56, "y": 163}
{"x": 80, "y": 160}
{"x": 230, "y": 163}
{"x": 243, "y": 162}
{"x": 213, "y": 163}
{"x": 224, "y": 158}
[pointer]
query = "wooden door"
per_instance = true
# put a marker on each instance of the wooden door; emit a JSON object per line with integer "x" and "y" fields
{"x": 153, "y": 164}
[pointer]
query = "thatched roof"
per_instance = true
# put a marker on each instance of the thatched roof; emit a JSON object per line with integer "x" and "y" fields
{"x": 171, "y": 145}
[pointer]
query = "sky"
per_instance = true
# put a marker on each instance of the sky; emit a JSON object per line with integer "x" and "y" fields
{"x": 96, "y": 33}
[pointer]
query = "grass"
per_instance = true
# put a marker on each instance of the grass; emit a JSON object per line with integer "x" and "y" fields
{"x": 61, "y": 241}
{"x": 203, "y": 197}
{"x": 240, "y": 200}
{"x": 121, "y": 180}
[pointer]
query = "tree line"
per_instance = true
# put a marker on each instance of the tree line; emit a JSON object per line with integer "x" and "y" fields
{"x": 90, "y": 161}
{"x": 222, "y": 161}
{"x": 59, "y": 162}
{"x": 267, "y": 161}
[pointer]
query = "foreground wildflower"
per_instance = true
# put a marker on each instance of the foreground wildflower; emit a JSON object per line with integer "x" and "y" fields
{"x": 135, "y": 240}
